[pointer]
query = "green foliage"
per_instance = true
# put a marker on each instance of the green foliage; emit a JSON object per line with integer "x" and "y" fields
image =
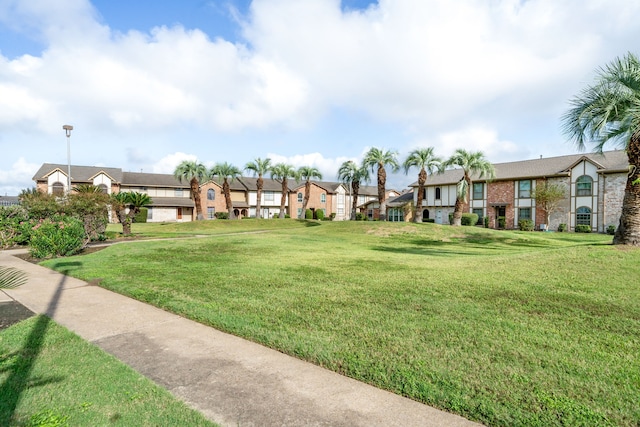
{"x": 360, "y": 216}
{"x": 611, "y": 229}
{"x": 222, "y": 215}
{"x": 141, "y": 217}
{"x": 502, "y": 222}
{"x": 450, "y": 217}
{"x": 562, "y": 228}
{"x": 308, "y": 214}
{"x": 583, "y": 228}
{"x": 59, "y": 236}
{"x": 469, "y": 219}
{"x": 89, "y": 205}
{"x": 48, "y": 418}
{"x": 429, "y": 220}
{"x": 320, "y": 215}
{"x": 525, "y": 225}
{"x": 39, "y": 204}
{"x": 486, "y": 221}
{"x": 12, "y": 229}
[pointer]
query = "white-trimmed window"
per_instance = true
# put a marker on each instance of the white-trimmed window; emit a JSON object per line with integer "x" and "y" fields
{"x": 211, "y": 194}
{"x": 57, "y": 189}
{"x": 178, "y": 192}
{"x": 478, "y": 191}
{"x": 268, "y": 196}
{"x": 323, "y": 198}
{"x": 524, "y": 189}
{"x": 583, "y": 216}
{"x": 211, "y": 213}
{"x": 524, "y": 213}
{"x": 299, "y": 197}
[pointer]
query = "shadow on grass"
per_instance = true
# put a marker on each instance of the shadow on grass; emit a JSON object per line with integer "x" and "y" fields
{"x": 19, "y": 379}
{"x": 309, "y": 223}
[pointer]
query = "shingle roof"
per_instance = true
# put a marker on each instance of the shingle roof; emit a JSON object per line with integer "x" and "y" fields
{"x": 182, "y": 202}
{"x": 400, "y": 200}
{"x": 143, "y": 179}
{"x": 78, "y": 173}
{"x": 609, "y": 161}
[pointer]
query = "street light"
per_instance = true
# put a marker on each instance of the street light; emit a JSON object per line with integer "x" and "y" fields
{"x": 67, "y": 130}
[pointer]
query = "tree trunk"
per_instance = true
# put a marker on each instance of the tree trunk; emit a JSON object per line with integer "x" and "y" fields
{"x": 283, "y": 198}
{"x": 195, "y": 190}
{"x": 422, "y": 178}
{"x": 305, "y": 201}
{"x": 382, "y": 200}
{"x": 457, "y": 212}
{"x": 628, "y": 232}
{"x": 355, "y": 187}
{"x": 227, "y": 198}
{"x": 259, "y": 185}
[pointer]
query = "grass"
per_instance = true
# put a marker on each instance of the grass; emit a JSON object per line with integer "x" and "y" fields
{"x": 51, "y": 377}
{"x": 506, "y": 328}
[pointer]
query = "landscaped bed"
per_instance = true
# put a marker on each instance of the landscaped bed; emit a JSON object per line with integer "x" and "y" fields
{"x": 506, "y": 328}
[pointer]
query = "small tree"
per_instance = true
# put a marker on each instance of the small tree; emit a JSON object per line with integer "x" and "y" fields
{"x": 548, "y": 197}
{"x": 132, "y": 200}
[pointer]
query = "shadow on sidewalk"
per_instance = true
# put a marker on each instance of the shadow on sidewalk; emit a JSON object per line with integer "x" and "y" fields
{"x": 19, "y": 378}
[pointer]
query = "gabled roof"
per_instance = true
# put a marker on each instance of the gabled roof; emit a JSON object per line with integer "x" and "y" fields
{"x": 609, "y": 161}
{"x": 268, "y": 184}
{"x": 400, "y": 200}
{"x": 78, "y": 173}
{"x": 142, "y": 179}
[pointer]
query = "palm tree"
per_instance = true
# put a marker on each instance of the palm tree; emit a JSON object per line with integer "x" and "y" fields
{"x": 608, "y": 111}
{"x": 423, "y": 159}
{"x": 132, "y": 200}
{"x": 281, "y": 172}
{"x": 352, "y": 174}
{"x": 307, "y": 173}
{"x": 194, "y": 172}
{"x": 259, "y": 167}
{"x": 470, "y": 163}
{"x": 227, "y": 172}
{"x": 379, "y": 158}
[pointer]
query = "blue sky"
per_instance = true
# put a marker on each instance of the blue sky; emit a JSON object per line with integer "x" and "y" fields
{"x": 147, "y": 84}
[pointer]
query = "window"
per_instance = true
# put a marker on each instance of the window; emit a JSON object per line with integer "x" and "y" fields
{"x": 57, "y": 189}
{"x": 103, "y": 188}
{"x": 211, "y": 194}
{"x": 424, "y": 194}
{"x": 524, "y": 213}
{"x": 478, "y": 211}
{"x": 178, "y": 192}
{"x": 323, "y": 198}
{"x": 149, "y": 214}
{"x": 524, "y": 189}
{"x": 425, "y": 214}
{"x": 299, "y": 197}
{"x": 299, "y": 212}
{"x": 211, "y": 212}
{"x": 478, "y": 191}
{"x": 396, "y": 215}
{"x": 583, "y": 186}
{"x": 438, "y": 193}
{"x": 268, "y": 196}
{"x": 583, "y": 216}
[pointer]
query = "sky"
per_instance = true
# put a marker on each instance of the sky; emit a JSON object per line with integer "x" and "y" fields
{"x": 149, "y": 83}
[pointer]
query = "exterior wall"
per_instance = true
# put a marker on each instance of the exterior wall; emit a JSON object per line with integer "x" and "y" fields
{"x": 503, "y": 193}
{"x": 57, "y": 176}
{"x": 341, "y": 203}
{"x": 218, "y": 203}
{"x": 102, "y": 179}
{"x": 612, "y": 192}
{"x": 315, "y": 201}
{"x": 170, "y": 214}
{"x": 591, "y": 202}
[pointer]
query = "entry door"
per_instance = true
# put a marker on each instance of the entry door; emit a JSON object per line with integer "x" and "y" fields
{"x": 179, "y": 213}
{"x": 439, "y": 216}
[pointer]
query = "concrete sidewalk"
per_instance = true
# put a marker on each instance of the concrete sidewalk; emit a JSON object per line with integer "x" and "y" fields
{"x": 232, "y": 381}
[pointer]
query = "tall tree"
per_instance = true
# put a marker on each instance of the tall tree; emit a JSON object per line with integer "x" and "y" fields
{"x": 353, "y": 174}
{"x": 259, "y": 167}
{"x": 194, "y": 172}
{"x": 470, "y": 163}
{"x": 228, "y": 173}
{"x": 128, "y": 200}
{"x": 281, "y": 172}
{"x": 428, "y": 163}
{"x": 608, "y": 111}
{"x": 548, "y": 197}
{"x": 307, "y": 173}
{"x": 377, "y": 159}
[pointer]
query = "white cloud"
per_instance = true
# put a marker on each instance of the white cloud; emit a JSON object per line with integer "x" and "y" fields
{"x": 327, "y": 166}
{"x": 169, "y": 163}
{"x": 18, "y": 177}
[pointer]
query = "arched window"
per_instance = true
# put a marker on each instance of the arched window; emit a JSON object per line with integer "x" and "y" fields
{"x": 583, "y": 185}
{"x": 583, "y": 216}
{"x": 299, "y": 197}
{"x": 57, "y": 189}
{"x": 103, "y": 188}
{"x": 211, "y": 194}
{"x": 424, "y": 194}
{"x": 438, "y": 191}
{"x": 323, "y": 198}
{"x": 425, "y": 214}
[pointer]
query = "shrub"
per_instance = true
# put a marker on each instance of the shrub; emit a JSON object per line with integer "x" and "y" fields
{"x": 222, "y": 215}
{"x": 583, "y": 228}
{"x": 611, "y": 230}
{"x": 502, "y": 222}
{"x": 308, "y": 214}
{"x": 332, "y": 216}
{"x": 360, "y": 216}
{"x": 429, "y": 220}
{"x": 14, "y": 226}
{"x": 141, "y": 217}
{"x": 525, "y": 225}
{"x": 451, "y": 218}
{"x": 469, "y": 219}
{"x": 486, "y": 221}
{"x": 61, "y": 236}
{"x": 562, "y": 228}
{"x": 320, "y": 214}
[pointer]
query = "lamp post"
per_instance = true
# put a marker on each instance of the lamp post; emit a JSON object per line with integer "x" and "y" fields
{"x": 67, "y": 130}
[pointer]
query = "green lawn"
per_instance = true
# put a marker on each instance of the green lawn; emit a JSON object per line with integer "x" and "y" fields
{"x": 506, "y": 328}
{"x": 51, "y": 377}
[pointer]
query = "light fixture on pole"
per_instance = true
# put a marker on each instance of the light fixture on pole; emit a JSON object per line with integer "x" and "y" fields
{"x": 67, "y": 130}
